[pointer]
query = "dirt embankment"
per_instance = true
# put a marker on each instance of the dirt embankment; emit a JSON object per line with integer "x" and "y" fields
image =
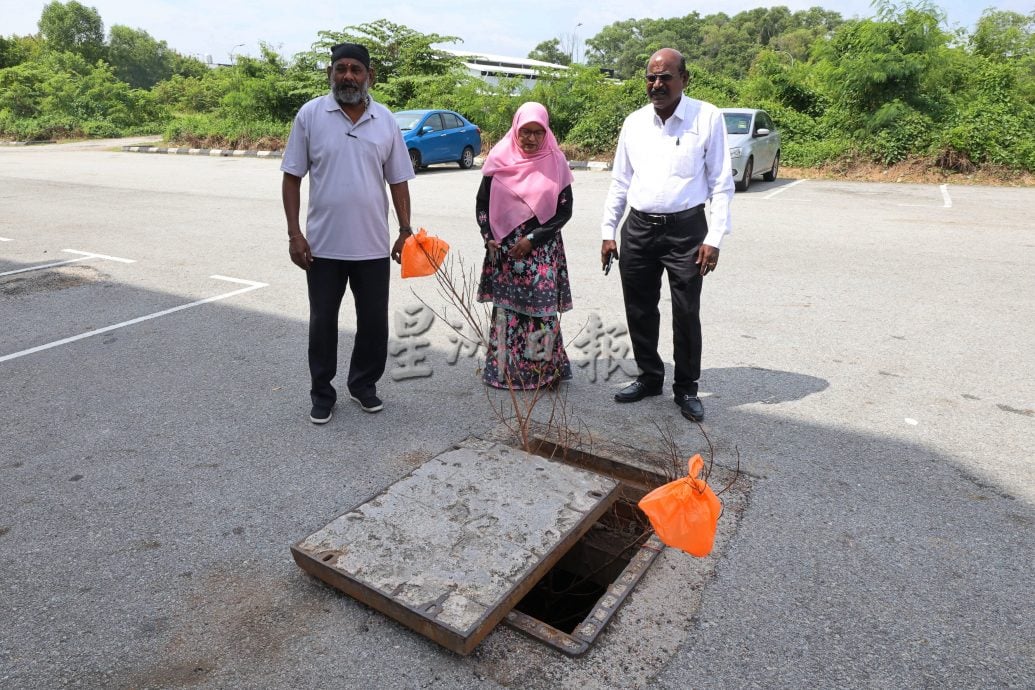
{"x": 917, "y": 170}
{"x": 913, "y": 172}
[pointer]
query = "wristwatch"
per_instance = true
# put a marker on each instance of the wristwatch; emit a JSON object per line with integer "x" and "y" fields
{"x": 530, "y": 236}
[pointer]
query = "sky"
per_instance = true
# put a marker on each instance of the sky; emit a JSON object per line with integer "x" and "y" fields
{"x": 224, "y": 27}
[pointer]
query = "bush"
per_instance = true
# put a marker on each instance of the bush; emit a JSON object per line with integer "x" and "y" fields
{"x": 190, "y": 94}
{"x": 211, "y": 131}
{"x": 994, "y": 135}
{"x": 38, "y": 128}
{"x": 810, "y": 154}
{"x": 596, "y": 129}
{"x": 900, "y": 131}
{"x": 491, "y": 107}
{"x": 993, "y": 125}
{"x": 61, "y": 95}
{"x": 792, "y": 125}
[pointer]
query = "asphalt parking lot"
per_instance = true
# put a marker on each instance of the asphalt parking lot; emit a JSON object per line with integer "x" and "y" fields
{"x": 867, "y": 356}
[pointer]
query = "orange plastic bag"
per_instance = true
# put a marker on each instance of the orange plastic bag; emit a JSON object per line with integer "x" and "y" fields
{"x": 685, "y": 513}
{"x": 422, "y": 254}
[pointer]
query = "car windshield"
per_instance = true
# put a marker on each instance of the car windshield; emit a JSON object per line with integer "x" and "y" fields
{"x": 737, "y": 123}
{"x": 408, "y": 120}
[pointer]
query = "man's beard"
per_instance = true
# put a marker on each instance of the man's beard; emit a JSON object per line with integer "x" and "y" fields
{"x": 349, "y": 94}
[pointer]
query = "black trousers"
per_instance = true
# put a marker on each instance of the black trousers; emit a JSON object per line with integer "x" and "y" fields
{"x": 648, "y": 249}
{"x": 327, "y": 280}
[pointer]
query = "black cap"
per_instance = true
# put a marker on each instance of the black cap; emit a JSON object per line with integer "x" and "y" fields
{"x": 350, "y": 50}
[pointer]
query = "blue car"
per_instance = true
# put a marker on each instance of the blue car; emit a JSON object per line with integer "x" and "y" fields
{"x": 439, "y": 136}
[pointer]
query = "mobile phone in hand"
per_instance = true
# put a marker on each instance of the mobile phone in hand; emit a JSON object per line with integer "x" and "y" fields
{"x": 611, "y": 256}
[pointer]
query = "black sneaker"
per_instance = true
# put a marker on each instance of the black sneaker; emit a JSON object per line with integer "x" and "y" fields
{"x": 320, "y": 415}
{"x": 369, "y": 402}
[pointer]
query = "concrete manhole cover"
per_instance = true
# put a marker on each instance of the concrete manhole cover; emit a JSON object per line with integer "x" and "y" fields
{"x": 449, "y": 549}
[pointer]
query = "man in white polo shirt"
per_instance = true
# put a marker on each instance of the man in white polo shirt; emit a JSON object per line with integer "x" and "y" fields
{"x": 672, "y": 157}
{"x": 351, "y": 147}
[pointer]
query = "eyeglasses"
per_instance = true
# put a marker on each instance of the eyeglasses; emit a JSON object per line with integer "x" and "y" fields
{"x": 665, "y": 78}
{"x": 532, "y": 133}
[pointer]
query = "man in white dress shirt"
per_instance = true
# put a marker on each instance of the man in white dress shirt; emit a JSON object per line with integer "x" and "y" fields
{"x": 672, "y": 158}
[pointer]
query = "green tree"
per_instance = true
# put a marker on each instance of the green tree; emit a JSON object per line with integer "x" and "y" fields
{"x": 1004, "y": 35}
{"x": 73, "y": 27}
{"x": 550, "y": 51}
{"x": 137, "y": 58}
{"x": 395, "y": 50}
{"x": 717, "y": 43}
{"x": 18, "y": 49}
{"x": 187, "y": 66}
{"x": 259, "y": 89}
{"x": 624, "y": 47}
{"x": 61, "y": 94}
{"x": 870, "y": 63}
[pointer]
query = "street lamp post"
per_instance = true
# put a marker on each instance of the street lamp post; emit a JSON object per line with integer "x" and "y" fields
{"x": 574, "y": 55}
{"x": 239, "y": 45}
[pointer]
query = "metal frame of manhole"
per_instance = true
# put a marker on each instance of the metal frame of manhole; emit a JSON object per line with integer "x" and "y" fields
{"x": 457, "y": 618}
{"x": 634, "y": 478}
{"x": 586, "y": 632}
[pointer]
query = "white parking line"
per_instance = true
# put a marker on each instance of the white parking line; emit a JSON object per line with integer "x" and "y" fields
{"x": 100, "y": 256}
{"x": 945, "y": 196}
{"x": 770, "y": 195}
{"x": 251, "y": 285}
{"x": 84, "y": 256}
{"x": 6, "y": 239}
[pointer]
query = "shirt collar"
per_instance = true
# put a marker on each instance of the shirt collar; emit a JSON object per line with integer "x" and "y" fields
{"x": 682, "y": 108}
{"x": 680, "y": 111}
{"x": 330, "y": 104}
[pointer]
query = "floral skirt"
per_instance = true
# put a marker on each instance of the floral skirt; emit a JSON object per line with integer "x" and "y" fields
{"x": 536, "y": 285}
{"x": 525, "y": 352}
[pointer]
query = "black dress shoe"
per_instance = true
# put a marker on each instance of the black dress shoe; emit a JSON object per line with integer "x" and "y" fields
{"x": 635, "y": 392}
{"x": 690, "y": 406}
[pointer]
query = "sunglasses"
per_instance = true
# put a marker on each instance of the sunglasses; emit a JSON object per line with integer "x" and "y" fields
{"x": 665, "y": 78}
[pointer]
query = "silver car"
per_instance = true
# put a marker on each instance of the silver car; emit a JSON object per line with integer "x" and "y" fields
{"x": 754, "y": 145}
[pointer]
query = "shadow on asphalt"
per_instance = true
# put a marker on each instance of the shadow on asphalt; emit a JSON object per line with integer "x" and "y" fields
{"x": 152, "y": 482}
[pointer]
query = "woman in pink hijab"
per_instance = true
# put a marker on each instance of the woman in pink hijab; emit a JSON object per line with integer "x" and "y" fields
{"x": 522, "y": 204}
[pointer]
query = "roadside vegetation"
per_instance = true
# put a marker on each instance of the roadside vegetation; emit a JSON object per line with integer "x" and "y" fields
{"x": 899, "y": 90}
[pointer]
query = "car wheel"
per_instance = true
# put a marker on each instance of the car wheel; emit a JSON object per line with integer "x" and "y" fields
{"x": 771, "y": 175}
{"x": 415, "y": 159}
{"x": 466, "y": 158}
{"x": 749, "y": 170}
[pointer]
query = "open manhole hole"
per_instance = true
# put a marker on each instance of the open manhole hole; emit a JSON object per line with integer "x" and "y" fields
{"x": 552, "y": 542}
{"x": 569, "y": 607}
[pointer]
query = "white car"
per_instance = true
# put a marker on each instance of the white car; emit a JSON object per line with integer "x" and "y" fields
{"x": 754, "y": 145}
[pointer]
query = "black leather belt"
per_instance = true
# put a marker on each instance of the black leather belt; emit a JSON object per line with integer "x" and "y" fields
{"x": 667, "y": 218}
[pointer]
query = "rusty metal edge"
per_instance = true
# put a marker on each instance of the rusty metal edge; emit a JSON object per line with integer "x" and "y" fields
{"x": 380, "y": 602}
{"x": 543, "y": 632}
{"x": 593, "y": 459}
{"x": 417, "y": 621}
{"x": 592, "y": 625}
{"x": 577, "y": 643}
